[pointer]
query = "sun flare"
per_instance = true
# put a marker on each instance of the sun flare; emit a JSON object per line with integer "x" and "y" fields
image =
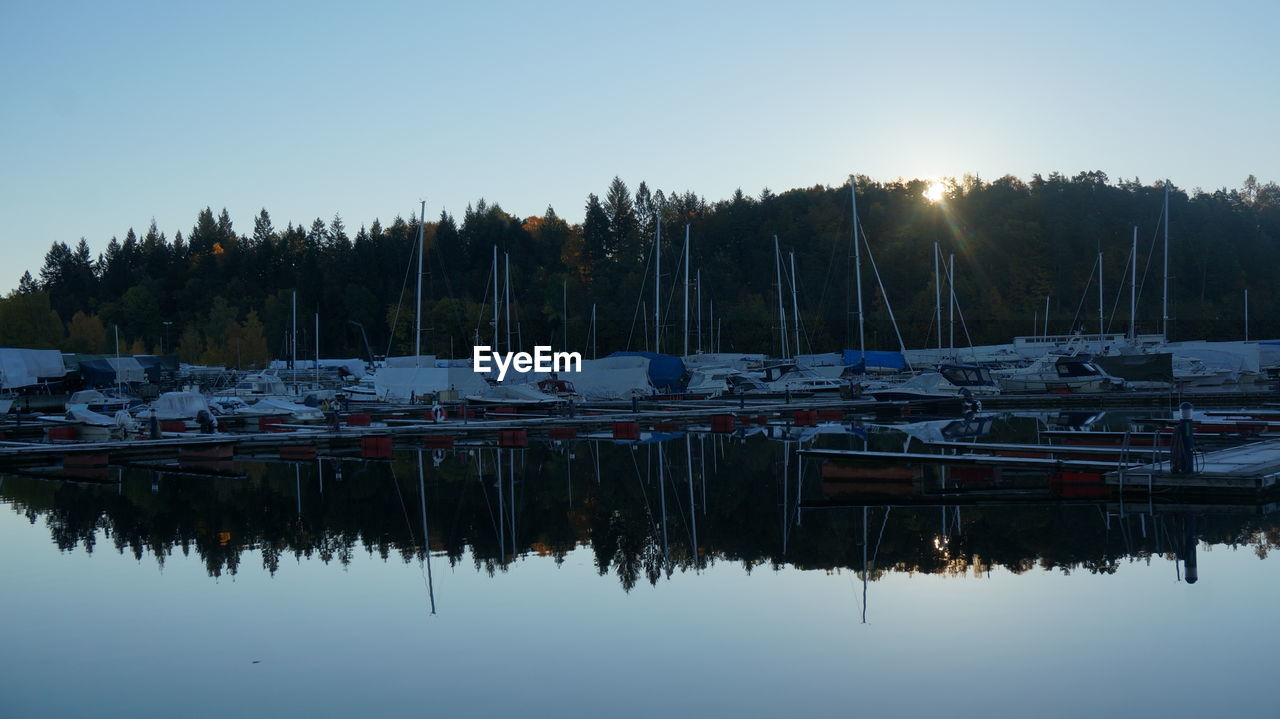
{"x": 934, "y": 192}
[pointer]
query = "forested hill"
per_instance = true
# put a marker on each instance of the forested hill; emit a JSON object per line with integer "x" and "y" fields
{"x": 221, "y": 292}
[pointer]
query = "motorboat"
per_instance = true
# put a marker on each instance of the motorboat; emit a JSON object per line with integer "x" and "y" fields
{"x": 948, "y": 382}
{"x": 102, "y": 402}
{"x": 189, "y": 408}
{"x": 793, "y": 378}
{"x": 1058, "y": 374}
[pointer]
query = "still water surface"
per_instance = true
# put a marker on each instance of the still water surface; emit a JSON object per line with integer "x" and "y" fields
{"x": 296, "y": 591}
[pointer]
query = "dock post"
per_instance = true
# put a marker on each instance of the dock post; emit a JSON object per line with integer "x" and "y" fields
{"x": 1182, "y": 452}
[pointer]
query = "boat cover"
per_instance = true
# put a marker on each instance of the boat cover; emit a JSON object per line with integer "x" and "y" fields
{"x": 24, "y": 367}
{"x": 398, "y": 384}
{"x": 876, "y": 359}
{"x": 666, "y": 372}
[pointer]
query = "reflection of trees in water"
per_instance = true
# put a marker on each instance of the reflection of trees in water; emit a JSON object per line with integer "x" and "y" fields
{"x": 282, "y": 510}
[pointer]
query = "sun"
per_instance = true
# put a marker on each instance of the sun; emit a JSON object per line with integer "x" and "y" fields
{"x": 934, "y": 192}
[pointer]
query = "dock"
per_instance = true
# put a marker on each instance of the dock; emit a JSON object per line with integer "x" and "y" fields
{"x": 1253, "y": 467}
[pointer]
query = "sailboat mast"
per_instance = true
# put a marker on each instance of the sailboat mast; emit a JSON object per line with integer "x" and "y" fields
{"x": 1164, "y": 312}
{"x": 857, "y": 266}
{"x": 495, "y": 298}
{"x": 1246, "y": 314}
{"x": 417, "y": 310}
{"x": 937, "y": 294}
{"x": 686, "y": 290}
{"x": 1133, "y": 289}
{"x": 782, "y": 314}
{"x": 795, "y": 306}
{"x": 1100, "y": 328}
{"x": 699, "y": 281}
{"x": 506, "y": 289}
{"x": 293, "y": 340}
{"x": 951, "y": 308}
{"x": 657, "y": 285}
{"x": 317, "y": 350}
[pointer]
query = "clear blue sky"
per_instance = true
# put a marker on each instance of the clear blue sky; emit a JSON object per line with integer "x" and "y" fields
{"x": 115, "y": 113}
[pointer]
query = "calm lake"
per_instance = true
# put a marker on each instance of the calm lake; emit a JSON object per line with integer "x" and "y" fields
{"x": 685, "y": 576}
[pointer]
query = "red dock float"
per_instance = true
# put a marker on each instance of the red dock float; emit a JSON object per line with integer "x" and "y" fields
{"x": 562, "y": 433}
{"x": 359, "y": 420}
{"x": 84, "y": 460}
{"x": 438, "y": 441}
{"x": 626, "y": 430}
{"x": 177, "y": 426}
{"x": 512, "y": 438}
{"x": 723, "y": 423}
{"x": 830, "y": 415}
{"x": 666, "y": 427}
{"x": 375, "y": 447}
{"x": 806, "y": 418}
{"x": 297, "y": 452}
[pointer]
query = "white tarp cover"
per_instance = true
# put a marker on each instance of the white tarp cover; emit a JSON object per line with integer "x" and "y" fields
{"x": 23, "y": 367}
{"x": 1246, "y": 354}
{"x": 178, "y": 405}
{"x": 611, "y": 378}
{"x": 127, "y": 369}
{"x": 356, "y": 367}
{"x": 411, "y": 361}
{"x": 828, "y": 359}
{"x": 736, "y": 360}
{"x": 397, "y": 384}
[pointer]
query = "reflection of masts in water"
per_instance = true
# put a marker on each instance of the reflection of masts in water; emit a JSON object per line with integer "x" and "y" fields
{"x": 693, "y": 512}
{"x": 662, "y": 495}
{"x": 502, "y": 510}
{"x": 874, "y": 554}
{"x": 426, "y": 538}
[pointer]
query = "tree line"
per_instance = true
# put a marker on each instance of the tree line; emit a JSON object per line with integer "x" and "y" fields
{"x": 219, "y": 295}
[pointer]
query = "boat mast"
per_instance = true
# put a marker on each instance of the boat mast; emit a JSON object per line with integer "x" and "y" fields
{"x": 417, "y": 311}
{"x": 317, "y": 350}
{"x": 699, "y": 281}
{"x": 782, "y": 314}
{"x": 506, "y": 289}
{"x": 795, "y": 306}
{"x": 1165, "y": 303}
{"x": 495, "y": 298}
{"x": 937, "y": 295}
{"x": 1133, "y": 289}
{"x": 593, "y": 330}
{"x": 686, "y": 290}
{"x": 1246, "y": 314}
{"x": 293, "y": 341}
{"x": 1100, "y": 328}
{"x": 657, "y": 285}
{"x": 857, "y": 267}
{"x": 951, "y": 300}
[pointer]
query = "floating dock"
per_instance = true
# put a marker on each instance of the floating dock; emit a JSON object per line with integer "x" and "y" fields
{"x": 1253, "y": 467}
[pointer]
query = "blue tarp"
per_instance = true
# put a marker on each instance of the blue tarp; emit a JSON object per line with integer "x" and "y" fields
{"x": 875, "y": 358}
{"x": 101, "y": 372}
{"x": 666, "y": 372}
